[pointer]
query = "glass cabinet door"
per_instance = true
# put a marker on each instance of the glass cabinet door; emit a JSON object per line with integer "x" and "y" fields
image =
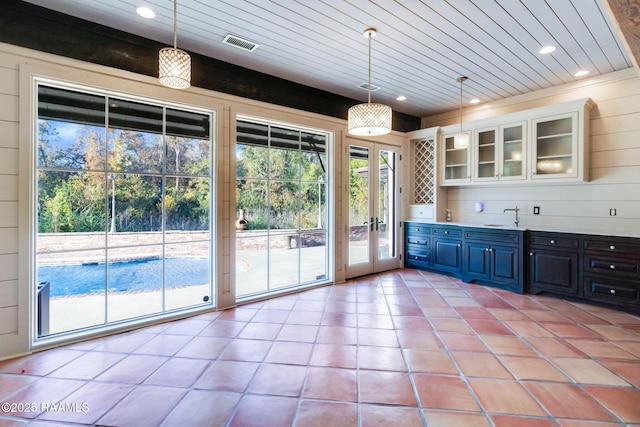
{"x": 456, "y": 162}
{"x": 554, "y": 147}
{"x": 486, "y": 155}
{"x": 513, "y": 147}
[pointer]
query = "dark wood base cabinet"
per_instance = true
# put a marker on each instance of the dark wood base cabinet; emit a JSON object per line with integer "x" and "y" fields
{"x": 601, "y": 269}
{"x": 585, "y": 267}
{"x": 553, "y": 263}
{"x": 611, "y": 270}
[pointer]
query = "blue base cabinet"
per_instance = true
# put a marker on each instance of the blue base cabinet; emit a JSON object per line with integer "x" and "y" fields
{"x": 487, "y": 256}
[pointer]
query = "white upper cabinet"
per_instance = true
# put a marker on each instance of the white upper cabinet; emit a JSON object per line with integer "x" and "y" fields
{"x": 485, "y": 145}
{"x": 513, "y": 145}
{"x": 498, "y": 153}
{"x": 456, "y": 161}
{"x": 547, "y": 143}
{"x": 554, "y": 148}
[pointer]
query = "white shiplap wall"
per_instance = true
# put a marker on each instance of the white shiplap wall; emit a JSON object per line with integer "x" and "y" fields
{"x": 614, "y": 164}
{"x": 9, "y": 294}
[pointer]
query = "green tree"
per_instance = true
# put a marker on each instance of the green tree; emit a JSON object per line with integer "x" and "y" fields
{"x": 57, "y": 215}
{"x": 359, "y": 191}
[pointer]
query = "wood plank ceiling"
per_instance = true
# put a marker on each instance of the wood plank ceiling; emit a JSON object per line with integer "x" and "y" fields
{"x": 420, "y": 50}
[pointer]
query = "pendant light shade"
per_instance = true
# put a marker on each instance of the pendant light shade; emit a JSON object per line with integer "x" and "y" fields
{"x": 369, "y": 119}
{"x": 174, "y": 64}
{"x": 461, "y": 140}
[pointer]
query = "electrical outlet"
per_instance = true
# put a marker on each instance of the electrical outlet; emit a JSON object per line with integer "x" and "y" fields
{"x": 536, "y": 210}
{"x": 612, "y": 212}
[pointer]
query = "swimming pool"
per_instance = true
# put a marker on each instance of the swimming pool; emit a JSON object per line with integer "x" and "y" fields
{"x": 125, "y": 276}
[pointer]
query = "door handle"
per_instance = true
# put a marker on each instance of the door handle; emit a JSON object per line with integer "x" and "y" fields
{"x": 376, "y": 223}
{"x": 371, "y": 224}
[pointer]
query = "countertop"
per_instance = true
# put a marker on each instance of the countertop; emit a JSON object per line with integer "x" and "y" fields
{"x": 511, "y": 226}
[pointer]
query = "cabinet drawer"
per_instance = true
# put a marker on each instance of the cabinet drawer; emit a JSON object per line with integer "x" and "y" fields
{"x": 413, "y": 229}
{"x": 611, "y": 290}
{"x": 447, "y": 232}
{"x": 417, "y": 239}
{"x": 492, "y": 236}
{"x": 613, "y": 246}
{"x": 417, "y": 256}
{"x": 422, "y": 212}
{"x": 611, "y": 267}
{"x": 553, "y": 241}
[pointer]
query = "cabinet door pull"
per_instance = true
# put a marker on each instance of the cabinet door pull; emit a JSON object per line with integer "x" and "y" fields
{"x": 446, "y": 232}
{"x": 530, "y": 253}
{"x": 612, "y": 266}
{"x": 613, "y": 291}
{"x": 553, "y": 242}
{"x": 612, "y": 247}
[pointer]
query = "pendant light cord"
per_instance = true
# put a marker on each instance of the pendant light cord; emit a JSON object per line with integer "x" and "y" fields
{"x": 461, "y": 106}
{"x": 369, "y": 98}
{"x": 175, "y": 24}
{"x": 461, "y": 79}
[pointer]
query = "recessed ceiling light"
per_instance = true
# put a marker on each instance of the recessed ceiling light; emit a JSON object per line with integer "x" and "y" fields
{"x": 474, "y": 101}
{"x": 581, "y": 73}
{"x": 145, "y": 12}
{"x": 401, "y": 98}
{"x": 547, "y": 49}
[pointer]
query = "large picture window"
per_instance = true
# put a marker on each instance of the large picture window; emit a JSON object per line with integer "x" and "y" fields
{"x": 123, "y": 208}
{"x": 281, "y": 202}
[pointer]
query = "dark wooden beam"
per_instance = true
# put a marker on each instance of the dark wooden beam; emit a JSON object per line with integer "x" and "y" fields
{"x": 27, "y": 25}
{"x": 626, "y": 16}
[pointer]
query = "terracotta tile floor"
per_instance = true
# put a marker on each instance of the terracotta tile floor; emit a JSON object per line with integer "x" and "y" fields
{"x": 402, "y": 348}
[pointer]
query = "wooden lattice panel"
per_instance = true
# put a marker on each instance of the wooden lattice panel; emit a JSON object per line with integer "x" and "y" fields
{"x": 425, "y": 164}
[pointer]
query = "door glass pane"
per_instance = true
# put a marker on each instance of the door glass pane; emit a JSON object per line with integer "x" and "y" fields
{"x": 135, "y": 212}
{"x": 187, "y": 274}
{"x": 359, "y": 214}
{"x": 313, "y": 263}
{"x": 116, "y": 231}
{"x": 512, "y": 151}
{"x": 71, "y": 292}
{"x": 386, "y": 212}
{"x": 71, "y": 129}
{"x": 486, "y": 154}
{"x": 135, "y": 136}
{"x": 554, "y": 147}
{"x": 455, "y": 160}
{"x": 281, "y": 183}
{"x": 134, "y": 284}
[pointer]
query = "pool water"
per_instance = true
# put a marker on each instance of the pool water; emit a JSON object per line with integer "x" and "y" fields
{"x": 126, "y": 276}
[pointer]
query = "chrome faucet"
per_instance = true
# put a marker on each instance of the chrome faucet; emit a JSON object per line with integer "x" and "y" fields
{"x": 516, "y": 210}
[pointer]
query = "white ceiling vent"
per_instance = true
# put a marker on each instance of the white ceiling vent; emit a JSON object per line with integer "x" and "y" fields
{"x": 240, "y": 43}
{"x": 367, "y": 86}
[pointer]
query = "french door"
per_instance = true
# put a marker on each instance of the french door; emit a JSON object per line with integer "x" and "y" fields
{"x": 373, "y": 197}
